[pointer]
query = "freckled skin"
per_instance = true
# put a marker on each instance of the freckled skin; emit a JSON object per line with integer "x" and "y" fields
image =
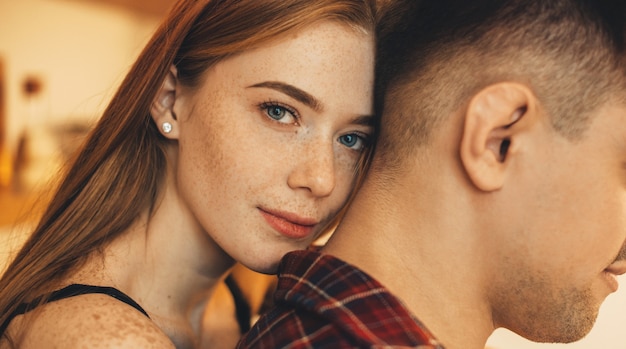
{"x": 231, "y": 155}
{"x": 91, "y": 321}
{"x": 232, "y": 159}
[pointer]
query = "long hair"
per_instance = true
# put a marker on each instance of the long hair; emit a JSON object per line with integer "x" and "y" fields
{"x": 117, "y": 174}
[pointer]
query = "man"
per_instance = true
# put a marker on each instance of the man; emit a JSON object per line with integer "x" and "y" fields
{"x": 497, "y": 193}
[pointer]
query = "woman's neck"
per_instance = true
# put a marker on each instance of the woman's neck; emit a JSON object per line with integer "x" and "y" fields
{"x": 168, "y": 265}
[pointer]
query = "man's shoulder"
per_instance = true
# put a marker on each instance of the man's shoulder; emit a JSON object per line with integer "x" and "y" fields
{"x": 289, "y": 328}
{"x": 298, "y": 330}
{"x": 322, "y": 299}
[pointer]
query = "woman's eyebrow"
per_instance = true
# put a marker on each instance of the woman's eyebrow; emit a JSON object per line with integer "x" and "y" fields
{"x": 292, "y": 91}
{"x": 364, "y": 120}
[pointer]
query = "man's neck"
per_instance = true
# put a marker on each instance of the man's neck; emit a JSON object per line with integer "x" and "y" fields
{"x": 415, "y": 250}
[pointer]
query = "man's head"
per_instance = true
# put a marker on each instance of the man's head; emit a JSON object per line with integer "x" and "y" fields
{"x": 571, "y": 53}
{"x": 520, "y": 107}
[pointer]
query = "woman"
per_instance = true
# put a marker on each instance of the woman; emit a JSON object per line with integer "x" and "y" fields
{"x": 235, "y": 137}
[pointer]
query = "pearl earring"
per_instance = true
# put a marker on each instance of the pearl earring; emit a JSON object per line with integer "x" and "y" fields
{"x": 167, "y": 127}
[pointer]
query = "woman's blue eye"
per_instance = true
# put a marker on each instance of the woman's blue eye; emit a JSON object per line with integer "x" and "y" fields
{"x": 279, "y": 113}
{"x": 352, "y": 140}
{"x": 275, "y": 112}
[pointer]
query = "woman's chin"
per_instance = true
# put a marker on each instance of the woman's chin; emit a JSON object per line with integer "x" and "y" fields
{"x": 259, "y": 265}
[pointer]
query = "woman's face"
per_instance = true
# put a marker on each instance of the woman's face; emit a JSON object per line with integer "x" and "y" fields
{"x": 268, "y": 144}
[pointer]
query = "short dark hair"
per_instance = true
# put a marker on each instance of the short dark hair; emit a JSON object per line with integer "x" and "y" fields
{"x": 434, "y": 55}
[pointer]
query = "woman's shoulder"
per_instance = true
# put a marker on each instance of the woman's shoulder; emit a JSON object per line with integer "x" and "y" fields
{"x": 90, "y": 320}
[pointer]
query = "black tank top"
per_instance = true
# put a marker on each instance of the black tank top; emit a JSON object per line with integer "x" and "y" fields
{"x": 71, "y": 291}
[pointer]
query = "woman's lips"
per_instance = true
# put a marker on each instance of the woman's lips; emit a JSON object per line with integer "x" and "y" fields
{"x": 288, "y": 224}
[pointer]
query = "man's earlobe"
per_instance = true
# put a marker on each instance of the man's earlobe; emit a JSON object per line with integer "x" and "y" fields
{"x": 162, "y": 108}
{"x": 494, "y": 119}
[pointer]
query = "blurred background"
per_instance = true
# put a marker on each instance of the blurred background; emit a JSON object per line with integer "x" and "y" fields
{"x": 60, "y": 62}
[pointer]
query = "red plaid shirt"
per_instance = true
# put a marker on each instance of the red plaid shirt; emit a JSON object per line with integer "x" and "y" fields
{"x": 323, "y": 302}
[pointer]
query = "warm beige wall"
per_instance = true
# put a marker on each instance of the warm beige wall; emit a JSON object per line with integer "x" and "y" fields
{"x": 80, "y": 49}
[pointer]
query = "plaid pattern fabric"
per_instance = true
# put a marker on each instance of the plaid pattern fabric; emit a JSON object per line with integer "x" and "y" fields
{"x": 323, "y": 302}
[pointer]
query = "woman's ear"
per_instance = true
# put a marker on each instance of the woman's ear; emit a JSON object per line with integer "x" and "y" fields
{"x": 495, "y": 121}
{"x": 162, "y": 108}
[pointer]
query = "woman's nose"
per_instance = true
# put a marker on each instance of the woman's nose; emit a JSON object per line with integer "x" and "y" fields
{"x": 314, "y": 170}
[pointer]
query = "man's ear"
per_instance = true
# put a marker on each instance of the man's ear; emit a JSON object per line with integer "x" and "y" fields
{"x": 495, "y": 121}
{"x": 162, "y": 108}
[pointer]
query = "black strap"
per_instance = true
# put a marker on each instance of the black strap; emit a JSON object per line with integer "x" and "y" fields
{"x": 242, "y": 308}
{"x": 71, "y": 291}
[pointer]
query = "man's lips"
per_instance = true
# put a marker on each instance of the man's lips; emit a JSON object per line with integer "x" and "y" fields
{"x": 617, "y": 268}
{"x": 289, "y": 224}
{"x": 613, "y": 271}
